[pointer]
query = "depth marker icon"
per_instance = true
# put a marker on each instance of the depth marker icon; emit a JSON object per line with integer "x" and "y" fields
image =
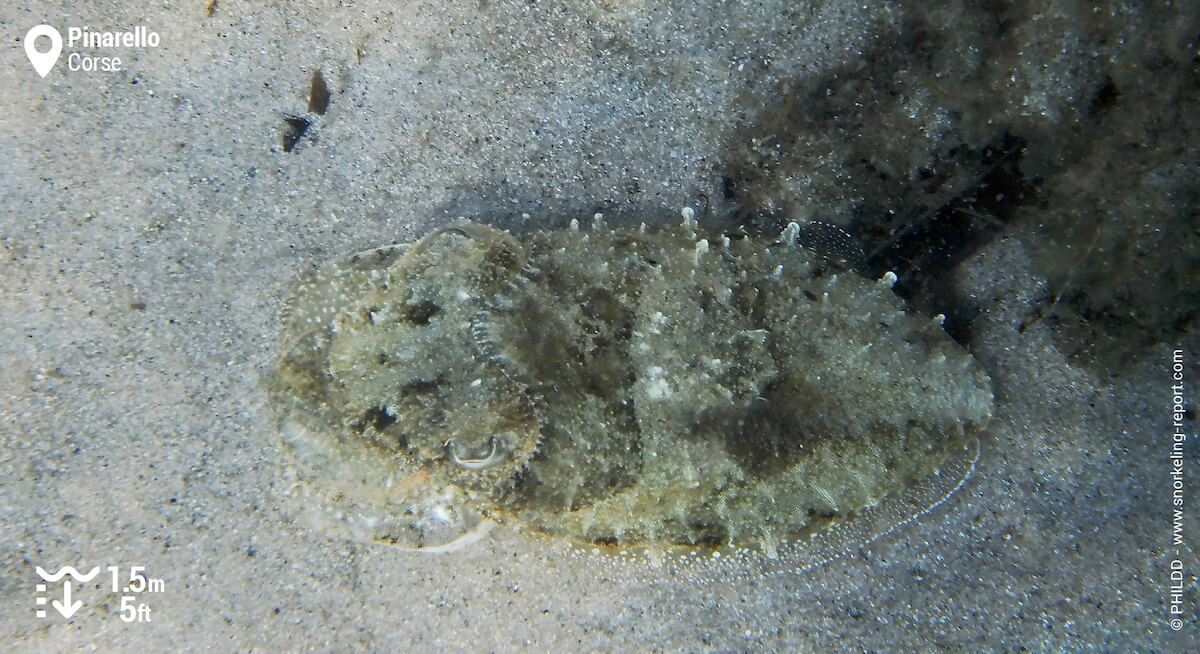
{"x": 66, "y": 607}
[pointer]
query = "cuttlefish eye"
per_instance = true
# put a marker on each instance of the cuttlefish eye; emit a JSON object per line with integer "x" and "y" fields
{"x": 482, "y": 459}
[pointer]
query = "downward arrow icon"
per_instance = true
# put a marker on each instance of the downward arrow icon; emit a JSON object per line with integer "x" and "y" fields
{"x": 65, "y": 607}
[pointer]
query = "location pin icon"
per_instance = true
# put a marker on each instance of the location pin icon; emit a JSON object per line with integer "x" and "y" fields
{"x": 43, "y": 61}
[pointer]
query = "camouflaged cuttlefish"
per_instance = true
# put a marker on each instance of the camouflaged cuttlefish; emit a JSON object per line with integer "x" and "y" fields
{"x": 652, "y": 387}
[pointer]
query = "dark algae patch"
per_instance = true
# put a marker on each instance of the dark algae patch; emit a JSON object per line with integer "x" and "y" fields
{"x": 658, "y": 390}
{"x": 318, "y": 94}
{"x": 294, "y": 128}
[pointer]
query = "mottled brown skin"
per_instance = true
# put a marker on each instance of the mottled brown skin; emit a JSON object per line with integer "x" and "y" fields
{"x": 646, "y": 387}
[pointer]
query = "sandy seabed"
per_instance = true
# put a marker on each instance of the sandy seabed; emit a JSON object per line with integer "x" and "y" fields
{"x": 155, "y": 221}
